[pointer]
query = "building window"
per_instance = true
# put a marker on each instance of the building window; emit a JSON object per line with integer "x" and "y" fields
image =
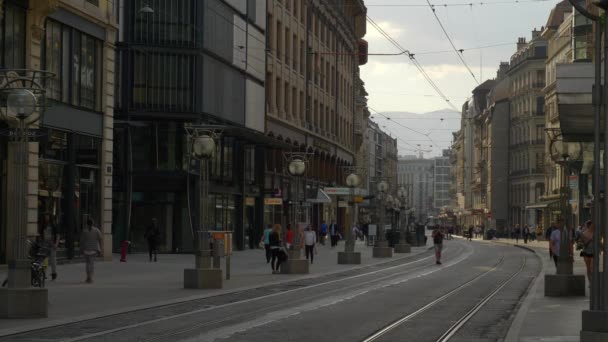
{"x": 75, "y": 59}
{"x": 163, "y": 81}
{"x": 93, "y": 2}
{"x": 173, "y": 22}
{"x": 12, "y": 37}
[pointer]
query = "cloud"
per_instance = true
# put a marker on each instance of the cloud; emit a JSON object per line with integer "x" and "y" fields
{"x": 390, "y": 28}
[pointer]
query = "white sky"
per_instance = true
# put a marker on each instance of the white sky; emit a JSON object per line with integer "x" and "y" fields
{"x": 395, "y": 85}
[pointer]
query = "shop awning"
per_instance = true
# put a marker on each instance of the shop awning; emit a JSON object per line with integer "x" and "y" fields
{"x": 542, "y": 204}
{"x": 321, "y": 197}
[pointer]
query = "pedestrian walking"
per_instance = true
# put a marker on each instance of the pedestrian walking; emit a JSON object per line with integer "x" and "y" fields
{"x": 91, "y": 245}
{"x": 265, "y": 241}
{"x": 323, "y": 233}
{"x": 548, "y": 233}
{"x": 470, "y": 233}
{"x": 152, "y": 235}
{"x": 438, "y": 244}
{"x": 555, "y": 240}
{"x": 526, "y": 233}
{"x": 517, "y": 232}
{"x": 334, "y": 233}
{"x": 310, "y": 238}
{"x": 49, "y": 239}
{"x": 586, "y": 237}
{"x": 274, "y": 240}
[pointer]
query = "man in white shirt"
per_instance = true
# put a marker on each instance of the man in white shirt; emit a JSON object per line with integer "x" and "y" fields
{"x": 310, "y": 238}
{"x": 556, "y": 239}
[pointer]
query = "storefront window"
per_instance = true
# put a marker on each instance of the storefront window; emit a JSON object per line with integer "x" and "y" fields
{"x": 221, "y": 210}
{"x": 75, "y": 59}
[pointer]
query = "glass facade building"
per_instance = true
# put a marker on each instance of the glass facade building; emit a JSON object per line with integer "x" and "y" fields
{"x": 189, "y": 62}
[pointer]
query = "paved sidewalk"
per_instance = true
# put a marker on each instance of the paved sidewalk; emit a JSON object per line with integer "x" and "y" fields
{"x": 138, "y": 283}
{"x": 540, "y": 318}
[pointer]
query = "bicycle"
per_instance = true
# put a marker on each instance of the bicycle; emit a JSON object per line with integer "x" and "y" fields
{"x": 38, "y": 256}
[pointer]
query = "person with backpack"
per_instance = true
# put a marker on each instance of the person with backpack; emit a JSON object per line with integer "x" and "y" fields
{"x": 548, "y": 238}
{"x": 152, "y": 235}
{"x": 438, "y": 244}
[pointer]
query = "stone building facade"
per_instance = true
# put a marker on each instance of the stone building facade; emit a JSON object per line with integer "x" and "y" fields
{"x": 527, "y": 128}
{"x": 70, "y": 166}
{"x": 313, "y": 98}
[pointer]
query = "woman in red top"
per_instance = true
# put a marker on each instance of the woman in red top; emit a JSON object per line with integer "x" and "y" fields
{"x": 289, "y": 237}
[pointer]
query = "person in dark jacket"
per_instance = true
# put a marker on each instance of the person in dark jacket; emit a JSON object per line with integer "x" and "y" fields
{"x": 152, "y": 235}
{"x": 275, "y": 249}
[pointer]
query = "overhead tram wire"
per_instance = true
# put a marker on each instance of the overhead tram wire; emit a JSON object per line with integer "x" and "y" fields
{"x": 464, "y": 4}
{"x": 413, "y": 60}
{"x": 458, "y": 52}
{"x": 402, "y": 125}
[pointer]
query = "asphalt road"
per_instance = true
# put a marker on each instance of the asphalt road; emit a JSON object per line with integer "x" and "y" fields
{"x": 425, "y": 299}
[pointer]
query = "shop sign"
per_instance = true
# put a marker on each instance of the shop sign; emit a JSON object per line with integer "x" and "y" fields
{"x": 337, "y": 191}
{"x": 250, "y": 201}
{"x": 273, "y": 201}
{"x": 358, "y": 199}
{"x": 31, "y": 133}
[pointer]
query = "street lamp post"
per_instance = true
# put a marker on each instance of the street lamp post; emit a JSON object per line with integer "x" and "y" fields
{"x": 23, "y": 100}
{"x": 381, "y": 249}
{"x": 403, "y": 246}
{"x": 296, "y": 168}
{"x": 203, "y": 275}
{"x": 349, "y": 256}
{"x": 564, "y": 282}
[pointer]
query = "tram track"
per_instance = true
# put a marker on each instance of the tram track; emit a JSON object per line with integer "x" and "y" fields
{"x": 381, "y": 334}
{"x": 121, "y": 322}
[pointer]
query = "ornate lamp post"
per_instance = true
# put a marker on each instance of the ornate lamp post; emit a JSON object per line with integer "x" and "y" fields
{"x": 349, "y": 256}
{"x": 23, "y": 98}
{"x": 403, "y": 246}
{"x": 203, "y": 275}
{"x": 564, "y": 283}
{"x": 381, "y": 249}
{"x": 296, "y": 168}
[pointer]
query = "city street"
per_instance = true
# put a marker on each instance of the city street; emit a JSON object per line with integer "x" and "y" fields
{"x": 428, "y": 299}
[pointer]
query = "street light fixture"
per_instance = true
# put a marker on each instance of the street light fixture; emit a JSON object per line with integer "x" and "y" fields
{"x": 23, "y": 100}
{"x": 381, "y": 249}
{"x": 202, "y": 148}
{"x": 403, "y": 246}
{"x": 349, "y": 256}
{"x": 564, "y": 282}
{"x": 296, "y": 167}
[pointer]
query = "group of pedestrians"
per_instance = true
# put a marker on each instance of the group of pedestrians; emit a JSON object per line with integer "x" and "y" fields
{"x": 583, "y": 238}
{"x": 277, "y": 244}
{"x": 91, "y": 245}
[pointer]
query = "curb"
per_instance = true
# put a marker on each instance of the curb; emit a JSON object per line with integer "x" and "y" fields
{"x": 522, "y": 309}
{"x": 67, "y": 321}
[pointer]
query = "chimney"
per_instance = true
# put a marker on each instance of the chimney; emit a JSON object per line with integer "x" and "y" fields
{"x": 502, "y": 70}
{"x": 535, "y": 33}
{"x": 521, "y": 42}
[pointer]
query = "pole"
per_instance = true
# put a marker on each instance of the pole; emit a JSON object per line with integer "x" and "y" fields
{"x": 594, "y": 302}
{"x": 604, "y": 304}
{"x": 350, "y": 245}
{"x": 21, "y": 188}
